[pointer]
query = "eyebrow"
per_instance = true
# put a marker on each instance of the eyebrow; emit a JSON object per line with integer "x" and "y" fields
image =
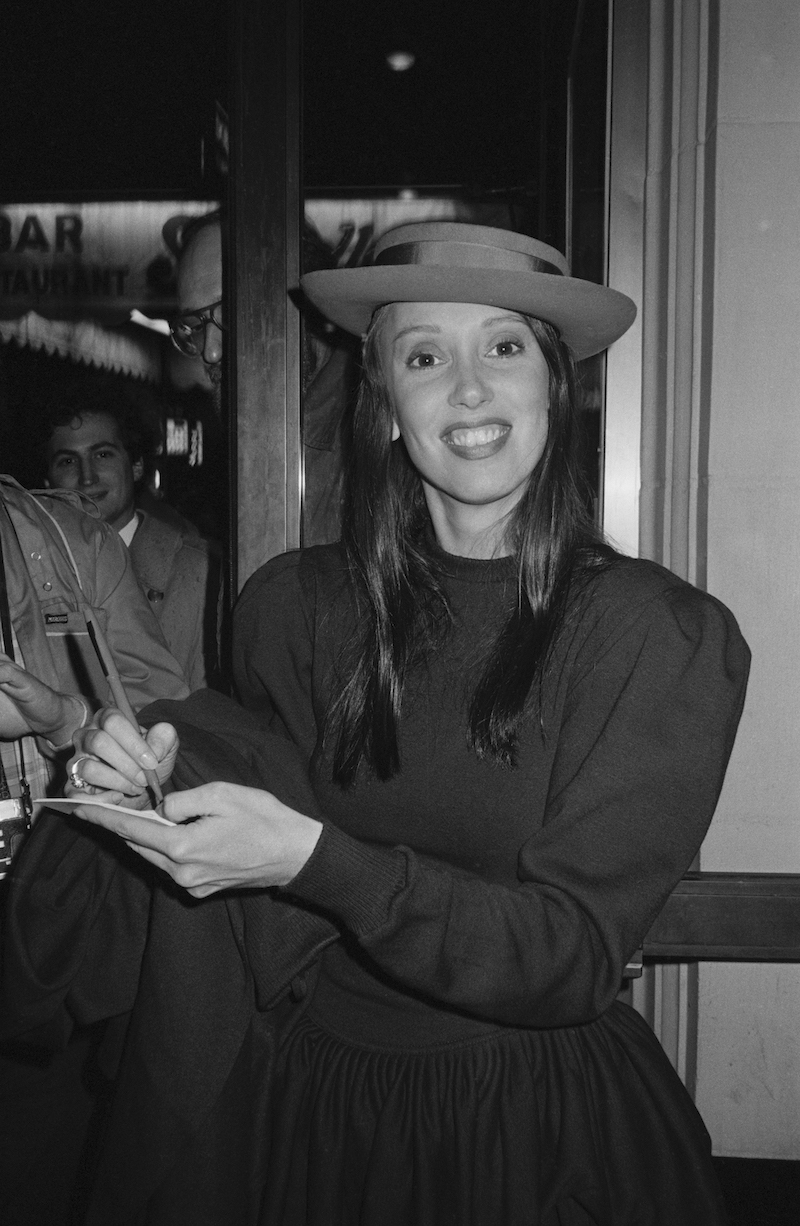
{"x": 487, "y": 323}
{"x": 427, "y": 328}
{"x": 92, "y": 447}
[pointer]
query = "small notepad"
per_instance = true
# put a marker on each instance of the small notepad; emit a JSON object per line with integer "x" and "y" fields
{"x": 66, "y": 803}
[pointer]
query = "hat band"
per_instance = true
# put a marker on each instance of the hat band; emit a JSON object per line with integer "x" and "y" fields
{"x": 451, "y": 254}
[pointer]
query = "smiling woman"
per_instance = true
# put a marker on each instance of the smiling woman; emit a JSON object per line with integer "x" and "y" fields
{"x": 470, "y": 392}
{"x": 491, "y": 747}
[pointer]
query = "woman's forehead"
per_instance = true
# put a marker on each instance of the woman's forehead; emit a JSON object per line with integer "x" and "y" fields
{"x": 398, "y": 316}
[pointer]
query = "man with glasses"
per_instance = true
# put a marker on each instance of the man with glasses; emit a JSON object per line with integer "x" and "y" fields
{"x": 198, "y": 329}
{"x": 328, "y": 364}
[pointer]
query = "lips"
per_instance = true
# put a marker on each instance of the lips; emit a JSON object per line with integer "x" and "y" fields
{"x": 477, "y": 442}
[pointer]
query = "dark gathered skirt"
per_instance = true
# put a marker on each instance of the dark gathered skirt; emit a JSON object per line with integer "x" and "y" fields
{"x": 387, "y": 1111}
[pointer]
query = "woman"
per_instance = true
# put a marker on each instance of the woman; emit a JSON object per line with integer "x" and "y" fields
{"x": 515, "y": 739}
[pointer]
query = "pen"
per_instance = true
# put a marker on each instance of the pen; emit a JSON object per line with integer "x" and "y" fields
{"x": 118, "y": 690}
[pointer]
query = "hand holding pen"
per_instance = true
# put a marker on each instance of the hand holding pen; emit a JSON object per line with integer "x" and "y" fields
{"x": 114, "y": 757}
{"x": 120, "y": 698}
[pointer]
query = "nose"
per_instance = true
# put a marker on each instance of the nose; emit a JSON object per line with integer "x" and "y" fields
{"x": 471, "y": 388}
{"x": 87, "y": 474}
{"x": 212, "y": 345}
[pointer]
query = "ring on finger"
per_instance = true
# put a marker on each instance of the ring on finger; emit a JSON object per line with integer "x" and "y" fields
{"x": 77, "y": 780}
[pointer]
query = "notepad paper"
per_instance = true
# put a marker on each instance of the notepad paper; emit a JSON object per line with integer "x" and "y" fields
{"x": 66, "y": 803}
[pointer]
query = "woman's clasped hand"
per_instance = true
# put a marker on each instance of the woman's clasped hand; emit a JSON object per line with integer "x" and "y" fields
{"x": 226, "y": 836}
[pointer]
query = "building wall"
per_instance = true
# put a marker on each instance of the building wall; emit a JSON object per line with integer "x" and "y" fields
{"x": 748, "y": 1071}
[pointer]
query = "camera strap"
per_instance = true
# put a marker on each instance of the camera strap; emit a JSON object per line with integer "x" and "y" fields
{"x": 8, "y": 647}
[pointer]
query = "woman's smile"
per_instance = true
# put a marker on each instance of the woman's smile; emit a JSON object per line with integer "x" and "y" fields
{"x": 477, "y": 442}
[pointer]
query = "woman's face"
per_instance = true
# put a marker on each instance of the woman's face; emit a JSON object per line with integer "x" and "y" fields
{"x": 470, "y": 390}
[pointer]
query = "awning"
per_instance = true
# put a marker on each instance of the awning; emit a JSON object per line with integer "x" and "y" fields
{"x": 129, "y": 349}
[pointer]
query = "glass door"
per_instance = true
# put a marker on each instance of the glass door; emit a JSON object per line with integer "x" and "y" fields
{"x": 417, "y": 114}
{"x": 348, "y": 119}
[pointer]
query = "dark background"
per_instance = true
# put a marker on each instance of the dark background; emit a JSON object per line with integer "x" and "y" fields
{"x": 107, "y": 98}
{"x": 118, "y": 100}
{"x": 113, "y": 98}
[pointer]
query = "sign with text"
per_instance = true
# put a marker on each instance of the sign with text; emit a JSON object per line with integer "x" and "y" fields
{"x": 91, "y": 261}
{"x": 100, "y": 261}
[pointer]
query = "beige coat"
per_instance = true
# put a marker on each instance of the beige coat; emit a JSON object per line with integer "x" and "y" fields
{"x": 181, "y": 576}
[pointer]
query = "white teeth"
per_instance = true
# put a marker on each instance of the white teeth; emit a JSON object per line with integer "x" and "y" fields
{"x": 477, "y": 437}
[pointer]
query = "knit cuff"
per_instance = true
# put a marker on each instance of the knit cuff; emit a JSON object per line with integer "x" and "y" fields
{"x": 353, "y": 880}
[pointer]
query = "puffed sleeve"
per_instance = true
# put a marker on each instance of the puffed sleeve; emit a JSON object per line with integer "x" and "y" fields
{"x": 653, "y": 699}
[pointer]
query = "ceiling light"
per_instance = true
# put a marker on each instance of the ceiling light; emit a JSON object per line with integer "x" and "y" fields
{"x": 400, "y": 61}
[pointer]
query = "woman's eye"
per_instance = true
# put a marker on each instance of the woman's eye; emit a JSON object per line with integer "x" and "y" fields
{"x": 506, "y": 348}
{"x": 423, "y": 360}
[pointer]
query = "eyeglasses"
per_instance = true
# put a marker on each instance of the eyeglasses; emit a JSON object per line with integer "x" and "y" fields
{"x": 188, "y": 332}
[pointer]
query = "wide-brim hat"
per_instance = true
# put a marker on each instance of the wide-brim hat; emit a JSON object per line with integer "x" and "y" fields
{"x": 447, "y": 261}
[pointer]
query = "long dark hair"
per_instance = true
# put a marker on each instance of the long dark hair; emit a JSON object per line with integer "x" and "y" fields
{"x": 403, "y": 610}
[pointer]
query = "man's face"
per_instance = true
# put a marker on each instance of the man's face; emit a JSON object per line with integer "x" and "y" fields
{"x": 199, "y": 287}
{"x": 88, "y": 455}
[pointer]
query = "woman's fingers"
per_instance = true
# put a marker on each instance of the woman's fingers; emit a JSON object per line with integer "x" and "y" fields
{"x": 245, "y": 836}
{"x": 104, "y": 763}
{"x": 162, "y": 740}
{"x": 209, "y": 799}
{"x": 86, "y": 772}
{"x": 240, "y": 837}
{"x": 170, "y": 849}
{"x": 132, "y": 740}
{"x": 152, "y": 840}
{"x": 113, "y": 755}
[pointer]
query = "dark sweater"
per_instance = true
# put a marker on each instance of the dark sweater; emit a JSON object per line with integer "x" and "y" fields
{"x": 518, "y": 894}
